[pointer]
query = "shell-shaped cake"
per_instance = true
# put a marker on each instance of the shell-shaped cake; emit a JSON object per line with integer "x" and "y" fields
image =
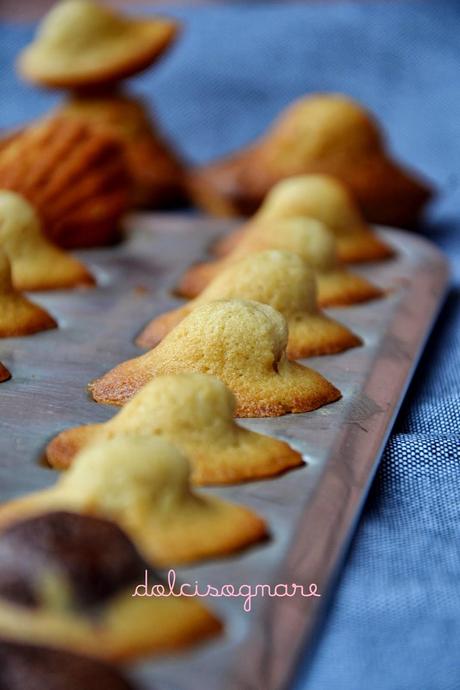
{"x": 83, "y": 44}
{"x": 240, "y": 342}
{"x": 18, "y": 315}
{"x": 155, "y": 169}
{"x": 323, "y": 133}
{"x": 75, "y": 175}
{"x": 4, "y": 373}
{"x": 36, "y": 263}
{"x": 67, "y": 579}
{"x": 326, "y": 199}
{"x": 283, "y": 280}
{"x": 143, "y": 485}
{"x": 306, "y": 237}
{"x": 195, "y": 413}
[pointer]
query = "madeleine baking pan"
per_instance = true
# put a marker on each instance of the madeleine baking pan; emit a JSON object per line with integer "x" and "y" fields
{"x": 311, "y": 511}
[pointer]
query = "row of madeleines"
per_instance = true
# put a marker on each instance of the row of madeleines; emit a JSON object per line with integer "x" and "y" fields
{"x": 101, "y": 152}
{"x": 70, "y": 556}
{"x": 307, "y": 228}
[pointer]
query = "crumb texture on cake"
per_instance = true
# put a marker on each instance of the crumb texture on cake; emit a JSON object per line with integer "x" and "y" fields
{"x": 242, "y": 343}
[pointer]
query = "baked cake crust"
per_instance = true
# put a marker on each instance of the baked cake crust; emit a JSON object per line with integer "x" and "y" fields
{"x": 195, "y": 413}
{"x": 242, "y": 343}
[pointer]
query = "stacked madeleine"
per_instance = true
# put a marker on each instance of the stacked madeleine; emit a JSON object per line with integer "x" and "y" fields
{"x": 100, "y": 153}
{"x": 88, "y": 50}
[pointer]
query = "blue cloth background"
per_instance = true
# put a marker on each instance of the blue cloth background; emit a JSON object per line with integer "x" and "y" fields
{"x": 394, "y": 622}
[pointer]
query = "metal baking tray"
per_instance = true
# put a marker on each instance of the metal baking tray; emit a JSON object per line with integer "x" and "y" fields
{"x": 311, "y": 512}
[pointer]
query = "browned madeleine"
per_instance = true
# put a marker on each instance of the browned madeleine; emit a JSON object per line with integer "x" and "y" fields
{"x": 322, "y": 134}
{"x": 4, "y": 373}
{"x": 156, "y": 171}
{"x": 75, "y": 175}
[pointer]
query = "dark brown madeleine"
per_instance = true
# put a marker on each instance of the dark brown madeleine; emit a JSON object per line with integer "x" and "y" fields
{"x": 91, "y": 557}
{"x": 4, "y": 373}
{"x": 29, "y": 667}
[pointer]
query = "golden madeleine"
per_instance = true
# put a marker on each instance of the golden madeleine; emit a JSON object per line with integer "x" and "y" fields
{"x": 36, "y": 263}
{"x": 67, "y": 580}
{"x": 155, "y": 169}
{"x": 306, "y": 237}
{"x": 326, "y": 199}
{"x": 75, "y": 176}
{"x": 240, "y": 342}
{"x": 143, "y": 485}
{"x": 283, "y": 280}
{"x": 321, "y": 134}
{"x": 195, "y": 413}
{"x": 82, "y": 44}
{"x": 18, "y": 315}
